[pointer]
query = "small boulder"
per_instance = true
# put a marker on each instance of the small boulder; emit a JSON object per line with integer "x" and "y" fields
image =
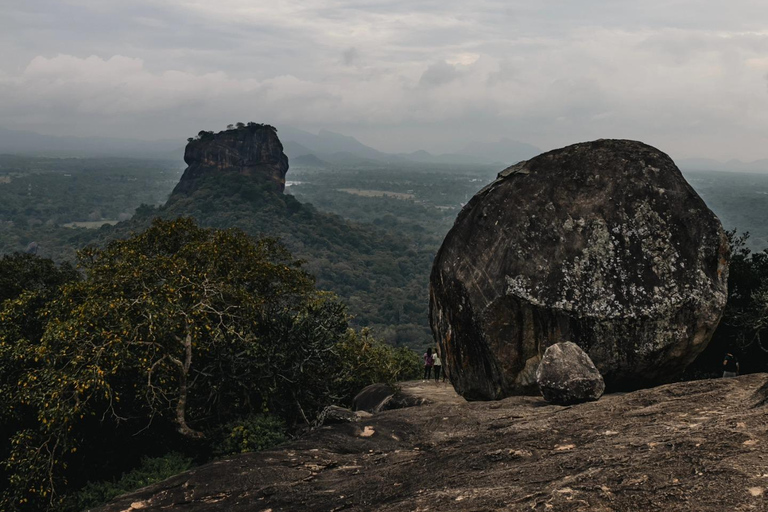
{"x": 566, "y": 375}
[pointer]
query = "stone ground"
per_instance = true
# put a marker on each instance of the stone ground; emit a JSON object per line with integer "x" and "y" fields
{"x": 694, "y": 446}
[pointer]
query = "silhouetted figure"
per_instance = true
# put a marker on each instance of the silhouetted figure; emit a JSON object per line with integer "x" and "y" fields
{"x": 437, "y": 365}
{"x": 730, "y": 366}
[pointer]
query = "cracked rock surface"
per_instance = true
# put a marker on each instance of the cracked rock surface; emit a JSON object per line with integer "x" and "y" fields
{"x": 679, "y": 447}
{"x": 603, "y": 244}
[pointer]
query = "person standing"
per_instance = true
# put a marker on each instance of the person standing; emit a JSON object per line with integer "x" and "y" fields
{"x": 730, "y": 366}
{"x": 438, "y": 365}
{"x": 429, "y": 361}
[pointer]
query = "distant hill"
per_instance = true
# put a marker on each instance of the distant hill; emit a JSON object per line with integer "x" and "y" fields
{"x": 342, "y": 149}
{"x": 308, "y": 160}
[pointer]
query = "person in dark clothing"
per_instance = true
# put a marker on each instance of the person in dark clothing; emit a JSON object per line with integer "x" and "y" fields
{"x": 730, "y": 366}
{"x": 429, "y": 361}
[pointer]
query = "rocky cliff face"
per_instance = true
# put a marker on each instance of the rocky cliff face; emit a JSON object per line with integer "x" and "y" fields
{"x": 254, "y": 150}
{"x": 603, "y": 244}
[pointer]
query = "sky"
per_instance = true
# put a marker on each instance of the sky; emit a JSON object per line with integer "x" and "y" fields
{"x": 689, "y": 77}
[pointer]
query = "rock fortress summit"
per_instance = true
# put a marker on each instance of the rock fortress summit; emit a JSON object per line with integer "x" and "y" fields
{"x": 251, "y": 150}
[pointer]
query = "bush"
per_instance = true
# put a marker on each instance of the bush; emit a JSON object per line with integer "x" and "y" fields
{"x": 366, "y": 360}
{"x": 151, "y": 470}
{"x": 254, "y": 433}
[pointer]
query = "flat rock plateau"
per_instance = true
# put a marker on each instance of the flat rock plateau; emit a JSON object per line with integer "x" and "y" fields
{"x": 692, "y": 446}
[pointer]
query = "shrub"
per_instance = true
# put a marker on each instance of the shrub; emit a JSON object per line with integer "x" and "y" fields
{"x": 254, "y": 433}
{"x": 151, "y": 470}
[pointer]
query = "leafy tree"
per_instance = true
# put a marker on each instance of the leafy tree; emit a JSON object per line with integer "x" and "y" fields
{"x": 27, "y": 285}
{"x": 190, "y": 326}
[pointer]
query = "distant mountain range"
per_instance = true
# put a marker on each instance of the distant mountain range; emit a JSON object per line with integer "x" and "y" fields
{"x": 306, "y": 149}
{"x": 302, "y": 147}
{"x": 335, "y": 148}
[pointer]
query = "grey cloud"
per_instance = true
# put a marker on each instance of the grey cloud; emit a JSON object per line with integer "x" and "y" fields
{"x": 507, "y": 71}
{"x": 350, "y": 56}
{"x": 439, "y": 73}
{"x": 434, "y": 73}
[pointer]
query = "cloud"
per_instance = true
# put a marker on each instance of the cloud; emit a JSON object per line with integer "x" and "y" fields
{"x": 350, "y": 56}
{"x": 439, "y": 73}
{"x": 398, "y": 74}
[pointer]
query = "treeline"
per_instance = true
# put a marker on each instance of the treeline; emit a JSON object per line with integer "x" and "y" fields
{"x": 170, "y": 347}
{"x": 39, "y": 195}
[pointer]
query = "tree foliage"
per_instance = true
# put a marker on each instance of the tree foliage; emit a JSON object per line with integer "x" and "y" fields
{"x": 171, "y": 334}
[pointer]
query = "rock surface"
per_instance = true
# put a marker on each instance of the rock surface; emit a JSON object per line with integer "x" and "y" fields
{"x": 254, "y": 150}
{"x": 383, "y": 397}
{"x": 566, "y": 375}
{"x": 602, "y": 243}
{"x": 679, "y": 447}
{"x": 335, "y": 414}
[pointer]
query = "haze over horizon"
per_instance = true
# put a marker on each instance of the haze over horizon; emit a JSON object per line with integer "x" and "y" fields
{"x": 687, "y": 77}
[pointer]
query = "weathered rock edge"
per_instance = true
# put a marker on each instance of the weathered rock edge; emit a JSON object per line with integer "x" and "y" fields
{"x": 602, "y": 243}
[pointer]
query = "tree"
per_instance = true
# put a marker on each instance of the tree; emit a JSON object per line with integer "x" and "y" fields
{"x": 187, "y": 325}
{"x": 169, "y": 335}
{"x": 28, "y": 284}
{"x": 29, "y": 273}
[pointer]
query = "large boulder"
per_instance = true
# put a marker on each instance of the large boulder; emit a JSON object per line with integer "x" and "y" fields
{"x": 603, "y": 243}
{"x": 566, "y": 375}
{"x": 253, "y": 150}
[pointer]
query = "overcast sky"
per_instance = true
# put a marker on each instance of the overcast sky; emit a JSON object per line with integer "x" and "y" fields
{"x": 690, "y": 77}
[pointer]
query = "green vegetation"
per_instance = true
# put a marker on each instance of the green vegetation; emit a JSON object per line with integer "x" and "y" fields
{"x": 379, "y": 273}
{"x": 150, "y": 471}
{"x": 253, "y": 433}
{"x": 743, "y": 329}
{"x": 39, "y": 195}
{"x": 179, "y": 338}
